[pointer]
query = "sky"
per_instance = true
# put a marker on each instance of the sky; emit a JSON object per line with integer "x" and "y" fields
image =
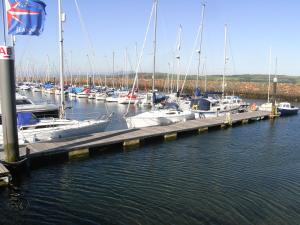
{"x": 116, "y": 25}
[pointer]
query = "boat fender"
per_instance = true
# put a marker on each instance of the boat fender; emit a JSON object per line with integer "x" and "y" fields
{"x": 253, "y": 107}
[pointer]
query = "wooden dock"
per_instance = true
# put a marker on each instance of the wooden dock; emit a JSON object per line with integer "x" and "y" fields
{"x": 85, "y": 145}
{"x": 4, "y": 175}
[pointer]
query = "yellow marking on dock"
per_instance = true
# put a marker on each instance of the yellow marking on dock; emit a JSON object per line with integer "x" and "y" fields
{"x": 131, "y": 143}
{"x": 170, "y": 136}
{"x": 203, "y": 129}
{"x": 79, "y": 153}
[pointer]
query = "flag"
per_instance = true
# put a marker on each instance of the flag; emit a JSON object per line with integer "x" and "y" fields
{"x": 25, "y": 17}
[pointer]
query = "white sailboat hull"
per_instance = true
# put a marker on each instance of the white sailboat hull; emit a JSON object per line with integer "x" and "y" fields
{"x": 56, "y": 129}
{"x": 158, "y": 118}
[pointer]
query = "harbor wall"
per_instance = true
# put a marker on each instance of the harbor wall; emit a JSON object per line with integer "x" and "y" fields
{"x": 246, "y": 89}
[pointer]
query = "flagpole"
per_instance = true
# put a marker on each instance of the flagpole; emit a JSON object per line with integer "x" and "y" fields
{"x": 4, "y": 23}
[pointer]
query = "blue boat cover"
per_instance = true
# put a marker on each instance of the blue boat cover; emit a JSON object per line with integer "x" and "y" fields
{"x": 197, "y": 92}
{"x": 48, "y": 86}
{"x": 26, "y": 118}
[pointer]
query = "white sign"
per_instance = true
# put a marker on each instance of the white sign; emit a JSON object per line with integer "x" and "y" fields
{"x": 6, "y": 52}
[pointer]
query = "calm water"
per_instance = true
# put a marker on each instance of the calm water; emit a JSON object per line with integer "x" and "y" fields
{"x": 244, "y": 175}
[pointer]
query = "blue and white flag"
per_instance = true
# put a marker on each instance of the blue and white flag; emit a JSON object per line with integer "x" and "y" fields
{"x": 25, "y": 17}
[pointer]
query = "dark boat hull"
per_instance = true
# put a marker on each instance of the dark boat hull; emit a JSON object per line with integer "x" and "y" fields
{"x": 288, "y": 112}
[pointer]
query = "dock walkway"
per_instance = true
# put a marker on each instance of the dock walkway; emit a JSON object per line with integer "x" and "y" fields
{"x": 129, "y": 137}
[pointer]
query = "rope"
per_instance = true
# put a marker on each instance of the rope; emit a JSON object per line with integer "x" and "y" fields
{"x": 140, "y": 58}
{"x": 191, "y": 57}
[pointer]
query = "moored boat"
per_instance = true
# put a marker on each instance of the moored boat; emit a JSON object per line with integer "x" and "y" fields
{"x": 286, "y": 109}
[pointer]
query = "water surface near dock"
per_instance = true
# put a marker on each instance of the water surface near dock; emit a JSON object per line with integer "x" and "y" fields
{"x": 248, "y": 174}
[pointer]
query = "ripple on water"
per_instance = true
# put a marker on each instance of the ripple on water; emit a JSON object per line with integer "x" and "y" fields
{"x": 243, "y": 175}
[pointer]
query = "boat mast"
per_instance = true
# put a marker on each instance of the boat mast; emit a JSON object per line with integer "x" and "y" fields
{"x": 113, "y": 69}
{"x": 137, "y": 61}
{"x": 178, "y": 56}
{"x": 200, "y": 45}
{"x": 225, "y": 60}
{"x": 270, "y": 65}
{"x": 61, "y": 19}
{"x": 154, "y": 46}
{"x": 126, "y": 72}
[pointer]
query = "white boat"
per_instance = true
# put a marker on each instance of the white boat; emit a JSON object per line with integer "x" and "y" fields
{"x": 101, "y": 96}
{"x": 159, "y": 117}
{"x": 49, "y": 91}
{"x": 209, "y": 107}
{"x": 72, "y": 95}
{"x": 112, "y": 98}
{"x": 145, "y": 99}
{"x": 128, "y": 99}
{"x": 36, "y": 89}
{"x": 265, "y": 107}
{"x": 92, "y": 96}
{"x": 84, "y": 94}
{"x": 24, "y": 87}
{"x": 232, "y": 102}
{"x": 32, "y": 130}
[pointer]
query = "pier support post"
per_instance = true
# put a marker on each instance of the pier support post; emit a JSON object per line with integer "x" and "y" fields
{"x": 8, "y": 104}
{"x": 274, "y": 109}
{"x": 131, "y": 143}
{"x": 245, "y": 121}
{"x": 203, "y": 129}
{"x": 79, "y": 153}
{"x": 170, "y": 137}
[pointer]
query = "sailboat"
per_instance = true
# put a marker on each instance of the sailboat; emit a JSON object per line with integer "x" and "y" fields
{"x": 232, "y": 103}
{"x": 31, "y": 129}
{"x": 268, "y": 105}
{"x": 170, "y": 112}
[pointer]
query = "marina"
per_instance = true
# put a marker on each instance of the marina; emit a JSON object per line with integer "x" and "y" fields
{"x": 132, "y": 137}
{"x": 149, "y": 112}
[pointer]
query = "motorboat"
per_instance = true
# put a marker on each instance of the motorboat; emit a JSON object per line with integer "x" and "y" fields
{"x": 286, "y": 109}
{"x": 233, "y": 102}
{"x": 209, "y": 107}
{"x": 24, "y": 104}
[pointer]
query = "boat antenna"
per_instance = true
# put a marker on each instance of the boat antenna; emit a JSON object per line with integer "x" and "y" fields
{"x": 61, "y": 19}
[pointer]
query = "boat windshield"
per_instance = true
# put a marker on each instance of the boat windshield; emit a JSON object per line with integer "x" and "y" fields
{"x": 23, "y": 102}
{"x": 171, "y": 106}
